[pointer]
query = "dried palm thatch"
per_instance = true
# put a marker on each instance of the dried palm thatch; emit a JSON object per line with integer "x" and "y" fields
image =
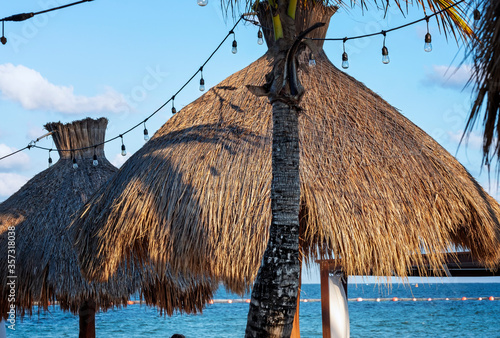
{"x": 40, "y": 212}
{"x": 46, "y": 265}
{"x": 377, "y": 191}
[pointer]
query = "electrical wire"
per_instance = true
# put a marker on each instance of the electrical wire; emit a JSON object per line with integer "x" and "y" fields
{"x": 26, "y": 16}
{"x": 33, "y": 143}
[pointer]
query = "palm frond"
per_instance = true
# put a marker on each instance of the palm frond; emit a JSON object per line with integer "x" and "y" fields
{"x": 486, "y": 75}
{"x": 453, "y": 20}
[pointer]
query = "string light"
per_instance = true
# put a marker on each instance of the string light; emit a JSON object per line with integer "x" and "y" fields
{"x": 75, "y": 165}
{"x": 312, "y": 60}
{"x": 50, "y": 159}
{"x": 202, "y": 81}
{"x": 202, "y": 2}
{"x": 477, "y": 16}
{"x": 3, "y": 39}
{"x": 428, "y": 39}
{"x": 95, "y": 162}
{"x": 124, "y": 151}
{"x": 146, "y": 134}
{"x": 32, "y": 143}
{"x": 234, "y": 50}
{"x": 260, "y": 40}
{"x": 26, "y": 16}
{"x": 20, "y": 17}
{"x": 345, "y": 58}
{"x": 385, "y": 52}
{"x": 174, "y": 111}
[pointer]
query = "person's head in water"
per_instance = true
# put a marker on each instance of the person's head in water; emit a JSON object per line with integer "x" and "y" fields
{"x": 178, "y": 336}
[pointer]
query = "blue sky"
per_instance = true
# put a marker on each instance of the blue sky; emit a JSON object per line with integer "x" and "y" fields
{"x": 123, "y": 59}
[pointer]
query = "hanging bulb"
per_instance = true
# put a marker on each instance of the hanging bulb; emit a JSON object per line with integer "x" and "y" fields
{"x": 260, "y": 40}
{"x": 345, "y": 60}
{"x": 146, "y": 134}
{"x": 235, "y": 47}
{"x": 312, "y": 60}
{"x": 50, "y": 161}
{"x": 202, "y": 85}
{"x": 385, "y": 55}
{"x": 477, "y": 17}
{"x": 174, "y": 111}
{"x": 75, "y": 165}
{"x": 124, "y": 151}
{"x": 95, "y": 162}
{"x": 428, "y": 44}
{"x": 202, "y": 2}
{"x": 3, "y": 39}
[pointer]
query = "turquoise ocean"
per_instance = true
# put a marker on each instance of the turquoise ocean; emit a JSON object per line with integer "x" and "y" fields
{"x": 386, "y": 318}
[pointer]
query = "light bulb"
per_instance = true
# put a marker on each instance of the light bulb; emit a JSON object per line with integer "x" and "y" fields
{"x": 3, "y": 39}
{"x": 75, "y": 165}
{"x": 202, "y": 2}
{"x": 385, "y": 55}
{"x": 428, "y": 44}
{"x": 312, "y": 61}
{"x": 124, "y": 151}
{"x": 260, "y": 40}
{"x": 345, "y": 60}
{"x": 95, "y": 162}
{"x": 202, "y": 85}
{"x": 174, "y": 111}
{"x": 146, "y": 135}
{"x": 477, "y": 17}
{"x": 235, "y": 47}
{"x": 50, "y": 161}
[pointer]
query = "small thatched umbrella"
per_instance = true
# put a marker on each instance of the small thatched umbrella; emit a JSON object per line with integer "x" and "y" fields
{"x": 46, "y": 267}
{"x": 377, "y": 191}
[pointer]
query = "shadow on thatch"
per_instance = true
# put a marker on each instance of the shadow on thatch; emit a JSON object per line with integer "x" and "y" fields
{"x": 376, "y": 190}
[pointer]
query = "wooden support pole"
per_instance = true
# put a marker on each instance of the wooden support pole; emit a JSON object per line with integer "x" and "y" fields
{"x": 325, "y": 299}
{"x": 87, "y": 319}
{"x": 334, "y": 312}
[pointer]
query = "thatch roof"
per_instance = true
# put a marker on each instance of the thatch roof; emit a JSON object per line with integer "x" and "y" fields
{"x": 376, "y": 190}
{"x": 46, "y": 264}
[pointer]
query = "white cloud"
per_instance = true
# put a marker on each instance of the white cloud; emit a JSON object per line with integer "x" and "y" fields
{"x": 473, "y": 140}
{"x": 19, "y": 160}
{"x": 35, "y": 132}
{"x": 118, "y": 160}
{"x": 448, "y": 76}
{"x": 10, "y": 183}
{"x": 29, "y": 88}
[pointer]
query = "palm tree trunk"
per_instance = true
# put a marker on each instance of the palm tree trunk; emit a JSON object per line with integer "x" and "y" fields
{"x": 87, "y": 319}
{"x": 274, "y": 294}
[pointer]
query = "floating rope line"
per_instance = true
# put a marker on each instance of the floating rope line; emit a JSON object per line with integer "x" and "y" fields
{"x": 317, "y": 300}
{"x": 120, "y": 136}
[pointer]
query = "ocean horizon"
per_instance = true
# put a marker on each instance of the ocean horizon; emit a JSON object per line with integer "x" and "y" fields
{"x": 431, "y": 315}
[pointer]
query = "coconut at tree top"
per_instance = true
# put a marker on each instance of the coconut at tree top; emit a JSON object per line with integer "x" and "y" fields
{"x": 376, "y": 191}
{"x": 39, "y": 214}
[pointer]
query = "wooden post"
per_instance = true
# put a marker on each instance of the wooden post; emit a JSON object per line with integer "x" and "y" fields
{"x": 334, "y": 301}
{"x": 87, "y": 319}
{"x": 325, "y": 299}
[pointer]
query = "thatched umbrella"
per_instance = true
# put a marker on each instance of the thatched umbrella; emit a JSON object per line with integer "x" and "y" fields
{"x": 376, "y": 190}
{"x": 46, "y": 268}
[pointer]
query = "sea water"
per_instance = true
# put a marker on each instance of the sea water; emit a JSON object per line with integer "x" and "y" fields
{"x": 387, "y": 318}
